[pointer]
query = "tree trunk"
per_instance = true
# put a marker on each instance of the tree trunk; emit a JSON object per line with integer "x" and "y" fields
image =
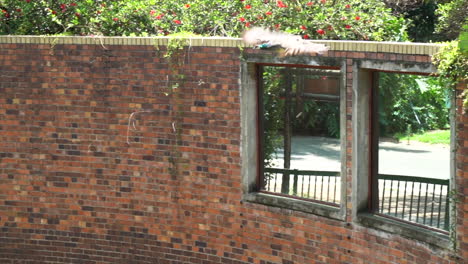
{"x": 287, "y": 130}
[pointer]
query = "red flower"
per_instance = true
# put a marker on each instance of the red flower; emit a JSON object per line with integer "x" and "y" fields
{"x": 187, "y": 5}
{"x": 347, "y": 6}
{"x": 310, "y": 3}
{"x": 323, "y": 1}
{"x": 260, "y": 17}
{"x": 268, "y": 13}
{"x": 303, "y": 27}
{"x": 115, "y": 19}
{"x": 178, "y": 22}
{"x": 248, "y": 6}
{"x": 277, "y": 26}
{"x": 152, "y": 12}
{"x": 73, "y": 4}
{"x": 320, "y": 31}
{"x": 77, "y": 14}
{"x": 63, "y": 6}
{"x": 54, "y": 12}
{"x": 18, "y": 10}
{"x": 159, "y": 16}
{"x": 247, "y": 24}
{"x": 357, "y": 18}
{"x": 347, "y": 26}
{"x": 280, "y": 4}
{"x": 241, "y": 19}
{"x": 306, "y": 36}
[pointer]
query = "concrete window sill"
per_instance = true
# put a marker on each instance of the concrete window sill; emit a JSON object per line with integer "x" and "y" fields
{"x": 296, "y": 205}
{"x": 407, "y": 230}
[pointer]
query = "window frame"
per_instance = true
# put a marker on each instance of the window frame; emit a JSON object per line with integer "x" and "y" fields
{"x": 365, "y": 83}
{"x": 251, "y": 144}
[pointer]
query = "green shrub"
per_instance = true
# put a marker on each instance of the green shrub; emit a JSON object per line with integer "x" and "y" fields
{"x": 411, "y": 102}
{"x": 318, "y": 19}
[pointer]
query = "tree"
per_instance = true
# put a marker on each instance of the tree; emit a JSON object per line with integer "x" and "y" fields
{"x": 420, "y": 16}
{"x": 431, "y": 20}
{"x": 412, "y": 103}
{"x": 453, "y": 15}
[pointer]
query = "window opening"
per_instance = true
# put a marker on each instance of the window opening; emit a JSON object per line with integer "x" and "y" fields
{"x": 300, "y": 133}
{"x": 411, "y": 156}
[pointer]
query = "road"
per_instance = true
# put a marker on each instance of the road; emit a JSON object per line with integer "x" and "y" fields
{"x": 413, "y": 159}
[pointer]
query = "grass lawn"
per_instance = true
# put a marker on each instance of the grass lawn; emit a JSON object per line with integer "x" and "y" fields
{"x": 431, "y": 137}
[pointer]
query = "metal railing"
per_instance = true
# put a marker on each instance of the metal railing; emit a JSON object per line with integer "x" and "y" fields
{"x": 419, "y": 200}
{"x": 324, "y": 186}
{"x": 415, "y": 199}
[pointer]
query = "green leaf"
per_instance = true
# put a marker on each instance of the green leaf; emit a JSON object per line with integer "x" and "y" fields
{"x": 463, "y": 44}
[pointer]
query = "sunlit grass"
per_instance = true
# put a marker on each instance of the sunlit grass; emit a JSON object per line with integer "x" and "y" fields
{"x": 431, "y": 137}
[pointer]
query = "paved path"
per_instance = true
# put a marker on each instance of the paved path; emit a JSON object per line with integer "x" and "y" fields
{"x": 415, "y": 159}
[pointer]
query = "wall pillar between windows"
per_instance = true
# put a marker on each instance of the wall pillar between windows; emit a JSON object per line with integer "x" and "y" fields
{"x": 249, "y": 138}
{"x": 362, "y": 85}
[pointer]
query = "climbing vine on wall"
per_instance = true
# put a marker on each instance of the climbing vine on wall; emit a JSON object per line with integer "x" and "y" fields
{"x": 175, "y": 56}
{"x": 452, "y": 64}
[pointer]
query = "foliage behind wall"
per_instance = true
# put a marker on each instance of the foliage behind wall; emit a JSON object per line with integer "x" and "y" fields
{"x": 315, "y": 19}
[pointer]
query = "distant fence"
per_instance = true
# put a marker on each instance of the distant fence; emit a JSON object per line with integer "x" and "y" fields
{"x": 415, "y": 199}
{"x": 324, "y": 186}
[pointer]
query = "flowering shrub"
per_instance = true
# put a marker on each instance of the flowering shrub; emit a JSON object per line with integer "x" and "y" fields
{"x": 319, "y": 19}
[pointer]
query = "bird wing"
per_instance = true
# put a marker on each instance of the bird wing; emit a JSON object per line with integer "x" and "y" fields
{"x": 293, "y": 45}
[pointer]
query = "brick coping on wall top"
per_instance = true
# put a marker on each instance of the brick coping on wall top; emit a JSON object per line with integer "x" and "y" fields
{"x": 335, "y": 45}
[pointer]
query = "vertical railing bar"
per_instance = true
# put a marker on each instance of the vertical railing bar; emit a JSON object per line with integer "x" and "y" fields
{"x": 315, "y": 186}
{"x": 425, "y": 204}
{"x": 295, "y": 182}
{"x": 270, "y": 183}
{"x": 328, "y": 189}
{"x": 433, "y": 202}
{"x": 321, "y": 189}
{"x": 286, "y": 189}
{"x": 390, "y": 200}
{"x": 447, "y": 212}
{"x": 404, "y": 201}
{"x": 308, "y": 187}
{"x": 334, "y": 191}
{"x": 397, "y": 198}
{"x": 440, "y": 206}
{"x": 268, "y": 180}
{"x": 383, "y": 197}
{"x": 302, "y": 186}
{"x": 411, "y": 201}
{"x": 419, "y": 200}
{"x": 276, "y": 179}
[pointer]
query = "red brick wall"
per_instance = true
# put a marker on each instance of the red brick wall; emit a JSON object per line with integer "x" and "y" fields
{"x": 461, "y": 178}
{"x": 78, "y": 184}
